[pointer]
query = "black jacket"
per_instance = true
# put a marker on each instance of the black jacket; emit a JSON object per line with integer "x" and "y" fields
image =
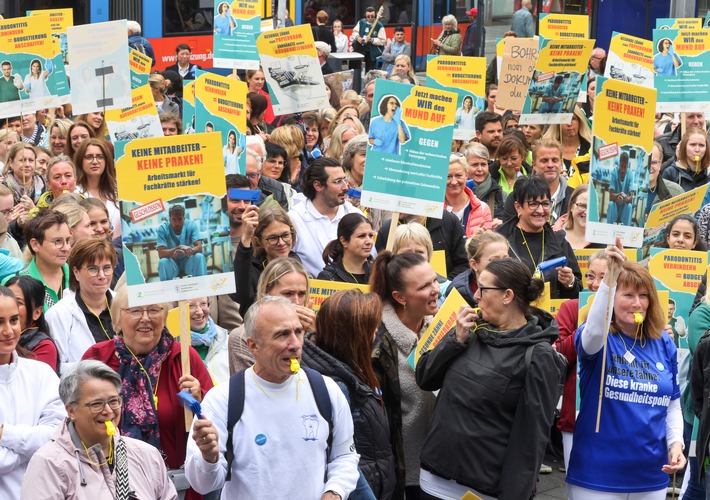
{"x": 462, "y": 283}
{"x": 555, "y": 246}
{"x": 270, "y": 186}
{"x": 493, "y": 414}
{"x": 190, "y": 72}
{"x": 447, "y": 234}
{"x": 324, "y": 34}
{"x": 371, "y": 430}
{"x": 700, "y": 390}
{"x": 685, "y": 178}
{"x": 494, "y": 199}
{"x": 669, "y": 140}
{"x": 247, "y": 270}
{"x": 336, "y": 272}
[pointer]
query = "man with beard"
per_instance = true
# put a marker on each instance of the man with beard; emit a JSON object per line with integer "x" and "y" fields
{"x": 325, "y": 187}
{"x": 489, "y": 132}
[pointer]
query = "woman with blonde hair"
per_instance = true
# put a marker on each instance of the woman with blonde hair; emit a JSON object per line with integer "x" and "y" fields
{"x": 575, "y": 137}
{"x": 96, "y": 122}
{"x": 403, "y": 68}
{"x": 159, "y": 88}
{"x": 338, "y": 140}
{"x": 78, "y": 221}
{"x": 58, "y": 136}
{"x": 20, "y": 175}
{"x": 343, "y": 111}
{"x": 285, "y": 277}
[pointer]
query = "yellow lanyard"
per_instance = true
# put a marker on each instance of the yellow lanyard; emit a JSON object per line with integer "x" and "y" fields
{"x": 153, "y": 390}
{"x": 101, "y": 322}
{"x": 542, "y": 253}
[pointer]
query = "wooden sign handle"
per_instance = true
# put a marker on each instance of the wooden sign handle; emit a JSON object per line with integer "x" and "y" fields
{"x": 185, "y": 341}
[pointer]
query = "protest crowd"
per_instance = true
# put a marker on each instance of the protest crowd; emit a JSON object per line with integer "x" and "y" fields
{"x": 453, "y": 352}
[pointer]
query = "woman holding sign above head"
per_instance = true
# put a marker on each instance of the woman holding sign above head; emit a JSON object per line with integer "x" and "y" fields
{"x": 640, "y": 424}
{"x": 501, "y": 358}
{"x": 692, "y": 162}
{"x": 149, "y": 362}
{"x": 266, "y": 235}
{"x": 347, "y": 258}
{"x": 408, "y": 287}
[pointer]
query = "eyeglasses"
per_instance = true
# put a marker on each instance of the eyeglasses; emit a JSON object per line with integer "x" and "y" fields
{"x": 534, "y": 204}
{"x": 98, "y": 406}
{"x": 274, "y": 239}
{"x": 656, "y": 162}
{"x": 91, "y": 158}
{"x": 253, "y": 176}
{"x": 137, "y": 312}
{"x": 60, "y": 242}
{"x": 93, "y": 271}
{"x": 582, "y": 206}
{"x": 340, "y": 181}
{"x": 482, "y": 288}
{"x": 202, "y": 305}
{"x": 593, "y": 277}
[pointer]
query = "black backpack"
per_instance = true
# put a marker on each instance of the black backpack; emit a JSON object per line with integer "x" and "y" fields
{"x": 235, "y": 407}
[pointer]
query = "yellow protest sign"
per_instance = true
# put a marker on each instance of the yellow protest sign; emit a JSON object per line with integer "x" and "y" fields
{"x": 630, "y": 58}
{"x": 138, "y": 121}
{"x": 322, "y": 289}
{"x": 59, "y": 19}
{"x": 140, "y": 68}
{"x": 686, "y": 203}
{"x": 442, "y": 324}
{"x": 679, "y": 270}
{"x": 438, "y": 262}
{"x": 429, "y": 108}
{"x": 564, "y": 26}
{"x": 679, "y": 23}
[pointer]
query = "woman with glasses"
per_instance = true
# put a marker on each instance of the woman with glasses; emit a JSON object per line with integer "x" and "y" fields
{"x": 532, "y": 240}
{"x": 568, "y": 321}
{"x": 266, "y": 235}
{"x": 83, "y": 317}
{"x": 148, "y": 360}
{"x": 576, "y": 221}
{"x": 501, "y": 357}
{"x": 96, "y": 177}
{"x": 83, "y": 460}
{"x": 388, "y": 131}
{"x": 347, "y": 258}
{"x": 209, "y": 339}
{"x": 36, "y": 336}
{"x": 30, "y": 409}
{"x": 20, "y": 176}
{"x": 474, "y": 215}
{"x": 285, "y": 277}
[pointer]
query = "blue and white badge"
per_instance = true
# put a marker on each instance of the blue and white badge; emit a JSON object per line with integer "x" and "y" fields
{"x": 260, "y": 439}
{"x": 660, "y": 366}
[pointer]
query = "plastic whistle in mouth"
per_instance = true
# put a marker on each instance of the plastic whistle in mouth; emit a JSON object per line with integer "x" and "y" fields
{"x": 638, "y": 318}
{"x": 295, "y": 365}
{"x": 110, "y": 428}
{"x": 696, "y": 158}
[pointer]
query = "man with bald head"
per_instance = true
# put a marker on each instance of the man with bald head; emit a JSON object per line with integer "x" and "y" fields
{"x": 594, "y": 69}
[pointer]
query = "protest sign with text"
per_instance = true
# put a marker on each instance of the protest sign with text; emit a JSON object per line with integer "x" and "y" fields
{"x": 237, "y": 24}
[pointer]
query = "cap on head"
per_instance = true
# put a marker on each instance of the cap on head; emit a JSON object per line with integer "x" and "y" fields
{"x": 473, "y": 12}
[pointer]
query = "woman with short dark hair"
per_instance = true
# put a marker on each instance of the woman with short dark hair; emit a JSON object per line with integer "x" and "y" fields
{"x": 502, "y": 359}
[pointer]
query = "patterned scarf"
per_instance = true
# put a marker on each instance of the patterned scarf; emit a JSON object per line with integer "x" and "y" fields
{"x": 206, "y": 336}
{"x": 139, "y": 418}
{"x": 36, "y": 189}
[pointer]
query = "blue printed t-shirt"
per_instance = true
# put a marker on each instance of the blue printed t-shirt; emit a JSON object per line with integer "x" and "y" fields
{"x": 388, "y": 133}
{"x": 628, "y": 452}
{"x": 168, "y": 239}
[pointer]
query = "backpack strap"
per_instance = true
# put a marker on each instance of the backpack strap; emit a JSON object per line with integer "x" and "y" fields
{"x": 235, "y": 407}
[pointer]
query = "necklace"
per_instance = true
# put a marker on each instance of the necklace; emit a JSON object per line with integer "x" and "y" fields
{"x": 542, "y": 252}
{"x": 99, "y": 319}
{"x": 628, "y": 356}
{"x": 351, "y": 274}
{"x": 290, "y": 380}
{"x": 109, "y": 459}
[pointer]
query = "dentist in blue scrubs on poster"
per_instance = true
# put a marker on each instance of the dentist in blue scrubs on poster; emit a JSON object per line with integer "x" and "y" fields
{"x": 388, "y": 131}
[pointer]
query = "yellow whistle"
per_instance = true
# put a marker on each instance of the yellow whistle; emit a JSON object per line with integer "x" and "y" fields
{"x": 295, "y": 366}
{"x": 696, "y": 158}
{"x": 155, "y": 401}
{"x": 110, "y": 428}
{"x": 638, "y": 318}
{"x": 477, "y": 311}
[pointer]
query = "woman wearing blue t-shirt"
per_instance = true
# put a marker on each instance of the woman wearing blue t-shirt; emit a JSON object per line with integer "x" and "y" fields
{"x": 666, "y": 62}
{"x": 388, "y": 131}
{"x": 640, "y": 436}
